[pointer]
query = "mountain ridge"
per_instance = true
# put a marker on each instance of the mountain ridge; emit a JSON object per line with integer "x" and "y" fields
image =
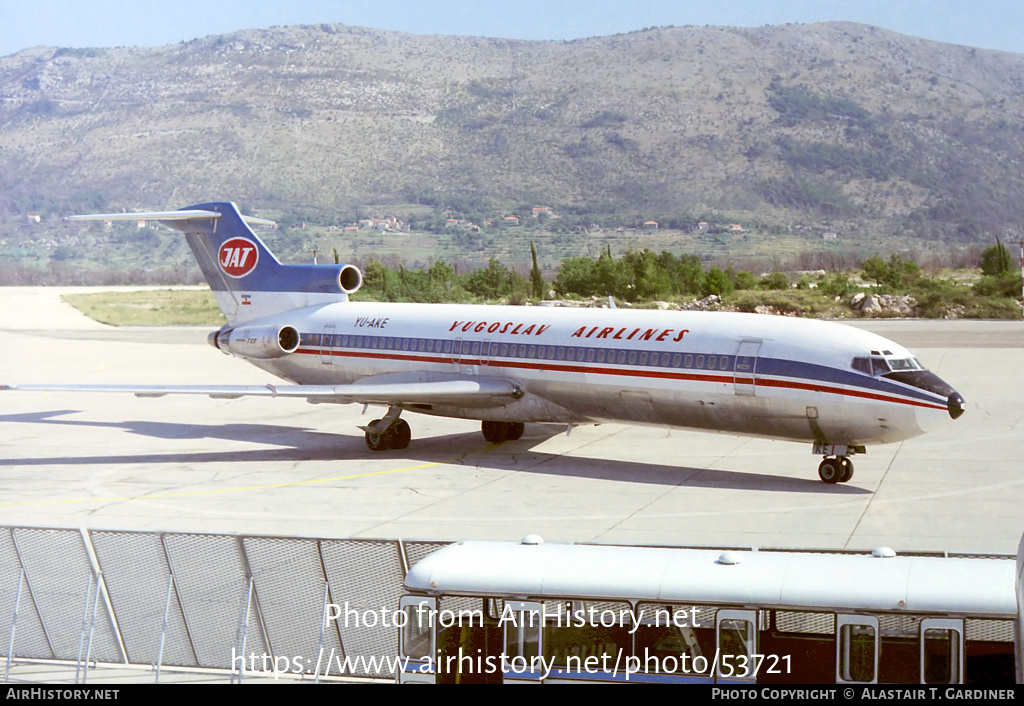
{"x": 837, "y": 125}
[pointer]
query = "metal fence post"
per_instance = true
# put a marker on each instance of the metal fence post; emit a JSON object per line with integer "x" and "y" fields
{"x": 81, "y": 634}
{"x": 244, "y": 628}
{"x": 163, "y": 627}
{"x": 14, "y": 625}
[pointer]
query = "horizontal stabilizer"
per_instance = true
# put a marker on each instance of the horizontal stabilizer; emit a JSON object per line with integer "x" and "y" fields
{"x": 183, "y": 215}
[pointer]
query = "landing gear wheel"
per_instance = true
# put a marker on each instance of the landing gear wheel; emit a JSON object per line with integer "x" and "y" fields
{"x": 375, "y": 440}
{"x": 515, "y": 430}
{"x": 847, "y": 465}
{"x": 494, "y": 432}
{"x": 830, "y": 470}
{"x": 400, "y": 434}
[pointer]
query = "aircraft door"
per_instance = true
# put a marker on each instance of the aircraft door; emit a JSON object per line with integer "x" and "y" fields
{"x": 745, "y": 371}
{"x": 326, "y": 340}
{"x": 417, "y": 641}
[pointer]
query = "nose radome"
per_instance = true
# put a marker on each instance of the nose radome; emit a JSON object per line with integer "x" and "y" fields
{"x": 955, "y": 404}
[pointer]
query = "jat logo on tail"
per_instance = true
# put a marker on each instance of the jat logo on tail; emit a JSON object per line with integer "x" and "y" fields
{"x": 238, "y": 257}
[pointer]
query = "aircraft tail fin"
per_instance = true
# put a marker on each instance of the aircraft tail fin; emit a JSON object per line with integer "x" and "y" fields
{"x": 247, "y": 280}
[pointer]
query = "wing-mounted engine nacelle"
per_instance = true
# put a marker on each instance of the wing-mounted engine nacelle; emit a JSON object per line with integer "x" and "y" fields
{"x": 261, "y": 342}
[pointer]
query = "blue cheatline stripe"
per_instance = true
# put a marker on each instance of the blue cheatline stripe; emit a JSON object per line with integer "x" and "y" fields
{"x": 771, "y": 372}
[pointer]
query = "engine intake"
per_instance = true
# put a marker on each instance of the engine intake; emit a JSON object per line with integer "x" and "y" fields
{"x": 260, "y": 342}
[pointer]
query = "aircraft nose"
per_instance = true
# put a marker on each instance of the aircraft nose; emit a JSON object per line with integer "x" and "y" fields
{"x": 955, "y": 404}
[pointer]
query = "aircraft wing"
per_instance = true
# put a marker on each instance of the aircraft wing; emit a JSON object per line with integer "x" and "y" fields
{"x": 463, "y": 392}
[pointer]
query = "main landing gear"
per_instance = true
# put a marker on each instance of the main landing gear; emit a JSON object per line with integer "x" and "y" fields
{"x": 393, "y": 432}
{"x": 499, "y": 432}
{"x": 390, "y": 432}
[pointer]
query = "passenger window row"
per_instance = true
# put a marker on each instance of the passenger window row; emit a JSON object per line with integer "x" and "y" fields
{"x": 494, "y": 350}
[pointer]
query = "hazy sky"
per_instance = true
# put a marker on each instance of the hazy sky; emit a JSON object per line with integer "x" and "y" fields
{"x": 992, "y": 24}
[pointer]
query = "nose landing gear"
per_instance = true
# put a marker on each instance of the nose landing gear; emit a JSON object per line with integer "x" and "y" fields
{"x": 836, "y": 466}
{"x": 835, "y": 469}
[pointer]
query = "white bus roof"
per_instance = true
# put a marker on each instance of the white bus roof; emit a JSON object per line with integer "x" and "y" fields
{"x": 964, "y": 586}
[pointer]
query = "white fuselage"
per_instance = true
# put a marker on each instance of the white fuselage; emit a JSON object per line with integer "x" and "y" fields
{"x": 769, "y": 376}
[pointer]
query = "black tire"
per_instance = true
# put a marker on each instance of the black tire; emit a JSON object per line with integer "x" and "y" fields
{"x": 830, "y": 470}
{"x": 376, "y": 441}
{"x": 515, "y": 430}
{"x": 400, "y": 433}
{"x": 494, "y": 432}
{"x": 847, "y": 470}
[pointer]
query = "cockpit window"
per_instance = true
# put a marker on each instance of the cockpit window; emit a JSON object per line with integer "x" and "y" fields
{"x": 881, "y": 366}
{"x": 905, "y": 364}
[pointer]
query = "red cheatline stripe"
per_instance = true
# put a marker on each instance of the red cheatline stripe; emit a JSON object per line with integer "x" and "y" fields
{"x": 654, "y": 374}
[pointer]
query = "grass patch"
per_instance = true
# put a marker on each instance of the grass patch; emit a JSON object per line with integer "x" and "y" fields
{"x": 156, "y": 307}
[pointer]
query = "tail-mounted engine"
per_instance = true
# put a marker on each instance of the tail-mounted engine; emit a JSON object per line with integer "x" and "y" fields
{"x": 261, "y": 342}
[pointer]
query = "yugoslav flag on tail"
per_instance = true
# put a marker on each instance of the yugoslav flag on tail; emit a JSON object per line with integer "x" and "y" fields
{"x": 247, "y": 280}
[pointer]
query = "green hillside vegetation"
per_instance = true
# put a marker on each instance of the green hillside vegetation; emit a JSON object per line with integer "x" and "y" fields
{"x": 831, "y": 140}
{"x": 639, "y": 278}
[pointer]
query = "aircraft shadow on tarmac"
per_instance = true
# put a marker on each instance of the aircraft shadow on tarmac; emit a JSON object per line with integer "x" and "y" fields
{"x": 291, "y": 444}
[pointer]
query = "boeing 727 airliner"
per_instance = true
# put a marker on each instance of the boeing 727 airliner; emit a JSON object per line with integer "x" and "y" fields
{"x": 837, "y": 387}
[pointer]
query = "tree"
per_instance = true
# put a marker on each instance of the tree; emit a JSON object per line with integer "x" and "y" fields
{"x": 717, "y": 282}
{"x": 874, "y": 268}
{"x": 894, "y": 273}
{"x": 995, "y": 261}
{"x": 650, "y": 279}
{"x": 774, "y": 281}
{"x": 575, "y": 276}
{"x": 536, "y": 278}
{"x": 494, "y": 281}
{"x": 742, "y": 279}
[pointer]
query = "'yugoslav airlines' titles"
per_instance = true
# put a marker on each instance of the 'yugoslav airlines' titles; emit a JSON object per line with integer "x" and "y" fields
{"x": 498, "y": 327}
{"x": 647, "y": 335}
{"x": 609, "y": 332}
